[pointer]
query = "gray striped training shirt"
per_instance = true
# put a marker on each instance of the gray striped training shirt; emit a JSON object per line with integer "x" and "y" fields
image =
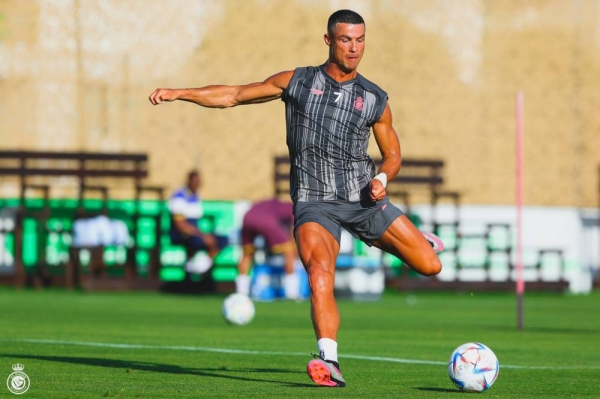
{"x": 328, "y": 128}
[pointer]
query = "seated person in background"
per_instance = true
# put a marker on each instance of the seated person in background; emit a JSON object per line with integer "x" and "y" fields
{"x": 185, "y": 206}
{"x": 272, "y": 219}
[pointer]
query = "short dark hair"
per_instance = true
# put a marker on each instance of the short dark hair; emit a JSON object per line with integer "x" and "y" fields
{"x": 343, "y": 17}
{"x": 193, "y": 173}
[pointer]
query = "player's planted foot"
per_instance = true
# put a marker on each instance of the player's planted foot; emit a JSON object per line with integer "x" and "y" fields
{"x": 436, "y": 243}
{"x": 325, "y": 372}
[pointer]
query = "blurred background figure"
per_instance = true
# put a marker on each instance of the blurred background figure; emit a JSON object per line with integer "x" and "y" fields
{"x": 185, "y": 207}
{"x": 273, "y": 220}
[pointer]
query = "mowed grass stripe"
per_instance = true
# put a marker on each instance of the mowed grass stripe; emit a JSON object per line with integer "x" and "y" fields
{"x": 268, "y": 353}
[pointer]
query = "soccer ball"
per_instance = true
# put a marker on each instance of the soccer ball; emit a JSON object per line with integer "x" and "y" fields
{"x": 473, "y": 367}
{"x": 238, "y": 309}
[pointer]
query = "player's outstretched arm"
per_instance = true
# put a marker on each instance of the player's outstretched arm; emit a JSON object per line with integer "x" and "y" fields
{"x": 221, "y": 96}
{"x": 389, "y": 147}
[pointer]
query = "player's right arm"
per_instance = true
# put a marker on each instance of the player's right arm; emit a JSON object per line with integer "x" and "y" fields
{"x": 221, "y": 96}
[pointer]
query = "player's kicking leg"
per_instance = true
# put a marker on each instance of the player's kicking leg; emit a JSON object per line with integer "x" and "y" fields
{"x": 417, "y": 249}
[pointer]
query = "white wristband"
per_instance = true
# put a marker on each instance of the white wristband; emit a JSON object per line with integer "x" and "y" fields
{"x": 382, "y": 177}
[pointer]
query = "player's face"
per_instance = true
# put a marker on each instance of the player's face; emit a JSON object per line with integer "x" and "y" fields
{"x": 194, "y": 183}
{"x": 346, "y": 45}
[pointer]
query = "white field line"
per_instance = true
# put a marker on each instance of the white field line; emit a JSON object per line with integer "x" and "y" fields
{"x": 268, "y": 353}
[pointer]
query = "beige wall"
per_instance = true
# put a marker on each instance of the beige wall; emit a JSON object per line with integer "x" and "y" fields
{"x": 77, "y": 74}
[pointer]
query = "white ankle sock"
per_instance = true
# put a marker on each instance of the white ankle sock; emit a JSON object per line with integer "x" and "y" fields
{"x": 291, "y": 285}
{"x": 242, "y": 284}
{"x": 329, "y": 349}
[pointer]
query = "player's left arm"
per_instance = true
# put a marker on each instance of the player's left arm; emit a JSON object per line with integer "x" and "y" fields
{"x": 389, "y": 148}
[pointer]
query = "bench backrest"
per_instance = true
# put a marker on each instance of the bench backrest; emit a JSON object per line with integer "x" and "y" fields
{"x": 423, "y": 172}
{"x": 79, "y": 165}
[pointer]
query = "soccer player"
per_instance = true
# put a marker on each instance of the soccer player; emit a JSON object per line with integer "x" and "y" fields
{"x": 330, "y": 111}
{"x": 273, "y": 220}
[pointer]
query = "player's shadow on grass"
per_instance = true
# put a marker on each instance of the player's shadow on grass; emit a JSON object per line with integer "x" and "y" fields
{"x": 439, "y": 390}
{"x": 128, "y": 366}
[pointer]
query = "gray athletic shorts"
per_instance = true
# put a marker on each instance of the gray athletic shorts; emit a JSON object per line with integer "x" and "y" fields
{"x": 366, "y": 221}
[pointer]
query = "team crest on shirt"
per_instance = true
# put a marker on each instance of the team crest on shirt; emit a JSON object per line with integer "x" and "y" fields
{"x": 359, "y": 103}
{"x": 316, "y": 91}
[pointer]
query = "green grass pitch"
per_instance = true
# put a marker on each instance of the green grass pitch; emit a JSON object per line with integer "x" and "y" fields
{"x": 153, "y": 345}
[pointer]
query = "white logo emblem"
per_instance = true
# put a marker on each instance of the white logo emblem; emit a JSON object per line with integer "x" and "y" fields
{"x": 18, "y": 382}
{"x": 338, "y": 96}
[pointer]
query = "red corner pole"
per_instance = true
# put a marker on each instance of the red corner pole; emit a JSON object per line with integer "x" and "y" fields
{"x": 519, "y": 152}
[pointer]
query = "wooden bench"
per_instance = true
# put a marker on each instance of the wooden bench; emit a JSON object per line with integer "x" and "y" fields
{"x": 83, "y": 168}
{"x": 405, "y": 282}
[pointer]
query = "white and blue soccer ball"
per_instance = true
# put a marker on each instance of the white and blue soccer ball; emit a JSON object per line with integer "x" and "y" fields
{"x": 473, "y": 367}
{"x": 238, "y": 309}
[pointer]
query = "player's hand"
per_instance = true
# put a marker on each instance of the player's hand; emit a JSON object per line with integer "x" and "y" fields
{"x": 377, "y": 190}
{"x": 161, "y": 95}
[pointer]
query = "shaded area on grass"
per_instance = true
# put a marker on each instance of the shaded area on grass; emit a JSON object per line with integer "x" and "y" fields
{"x": 216, "y": 372}
{"x": 446, "y": 390}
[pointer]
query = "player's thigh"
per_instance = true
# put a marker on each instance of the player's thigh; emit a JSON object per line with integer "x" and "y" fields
{"x": 195, "y": 244}
{"x": 405, "y": 241}
{"x": 317, "y": 247}
{"x": 247, "y": 236}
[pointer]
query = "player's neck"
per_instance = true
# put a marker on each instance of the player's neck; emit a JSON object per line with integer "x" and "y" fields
{"x": 339, "y": 75}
